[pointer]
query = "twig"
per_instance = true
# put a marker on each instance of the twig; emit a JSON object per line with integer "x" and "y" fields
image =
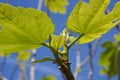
{"x": 22, "y": 72}
{"x": 32, "y": 68}
{"x": 91, "y": 63}
{"x": 95, "y": 46}
{"x": 87, "y": 59}
{"x": 76, "y": 73}
{"x": 63, "y": 76}
{"x": 39, "y": 4}
{"x": 66, "y": 70}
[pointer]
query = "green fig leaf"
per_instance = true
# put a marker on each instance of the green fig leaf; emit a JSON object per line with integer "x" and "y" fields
{"x": 22, "y": 29}
{"x": 90, "y": 19}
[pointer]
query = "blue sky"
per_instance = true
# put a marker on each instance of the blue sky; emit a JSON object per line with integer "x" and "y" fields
{"x": 47, "y": 68}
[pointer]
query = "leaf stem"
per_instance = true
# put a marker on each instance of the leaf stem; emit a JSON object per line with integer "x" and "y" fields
{"x": 46, "y": 45}
{"x": 75, "y": 40}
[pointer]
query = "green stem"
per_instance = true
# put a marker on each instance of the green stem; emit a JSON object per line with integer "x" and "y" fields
{"x": 65, "y": 67}
{"x": 64, "y": 64}
{"x": 46, "y": 45}
{"x": 55, "y": 53}
{"x": 75, "y": 40}
{"x": 65, "y": 53}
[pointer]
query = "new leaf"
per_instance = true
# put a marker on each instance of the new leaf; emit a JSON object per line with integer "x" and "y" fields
{"x": 22, "y": 28}
{"x": 90, "y": 19}
{"x": 57, "y": 41}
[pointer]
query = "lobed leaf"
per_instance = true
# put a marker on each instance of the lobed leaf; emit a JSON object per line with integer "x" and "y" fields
{"x": 22, "y": 29}
{"x": 90, "y": 19}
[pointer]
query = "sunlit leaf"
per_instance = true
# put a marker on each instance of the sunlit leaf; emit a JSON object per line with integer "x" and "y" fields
{"x": 22, "y": 28}
{"x": 90, "y": 19}
{"x": 57, "y": 6}
{"x": 108, "y": 59}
